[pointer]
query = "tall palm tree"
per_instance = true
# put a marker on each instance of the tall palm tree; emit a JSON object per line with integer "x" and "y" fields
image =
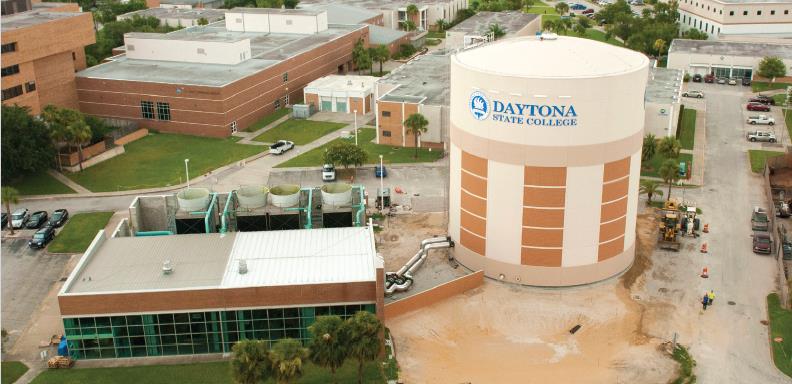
{"x": 562, "y": 8}
{"x": 250, "y": 363}
{"x": 659, "y": 46}
{"x": 412, "y": 10}
{"x": 380, "y": 54}
{"x": 669, "y": 172}
{"x": 79, "y": 134}
{"x": 10, "y": 196}
{"x": 364, "y": 331}
{"x": 287, "y": 357}
{"x": 649, "y": 147}
{"x": 669, "y": 147}
{"x": 442, "y": 25}
{"x": 416, "y": 124}
{"x": 408, "y": 25}
{"x": 650, "y": 188}
{"x": 329, "y": 348}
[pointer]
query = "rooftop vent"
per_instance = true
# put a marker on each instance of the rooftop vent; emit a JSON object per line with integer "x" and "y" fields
{"x": 349, "y": 82}
{"x": 167, "y": 268}
{"x": 242, "y": 267}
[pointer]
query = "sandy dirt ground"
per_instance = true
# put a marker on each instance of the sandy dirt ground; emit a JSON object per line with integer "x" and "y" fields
{"x": 402, "y": 235}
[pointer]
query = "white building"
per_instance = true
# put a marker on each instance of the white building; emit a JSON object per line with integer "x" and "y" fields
{"x": 178, "y": 17}
{"x": 661, "y": 101}
{"x": 475, "y": 29}
{"x": 719, "y": 18}
{"x": 336, "y": 93}
{"x": 395, "y": 11}
{"x": 725, "y": 58}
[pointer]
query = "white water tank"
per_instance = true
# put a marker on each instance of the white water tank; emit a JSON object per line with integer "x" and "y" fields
{"x": 252, "y": 196}
{"x": 193, "y": 199}
{"x": 285, "y": 195}
{"x": 337, "y": 194}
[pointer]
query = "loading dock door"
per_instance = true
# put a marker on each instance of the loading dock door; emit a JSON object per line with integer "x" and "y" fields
{"x": 327, "y": 105}
{"x": 341, "y": 105}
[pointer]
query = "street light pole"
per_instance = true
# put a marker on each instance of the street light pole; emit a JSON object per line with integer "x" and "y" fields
{"x": 356, "y": 138}
{"x": 187, "y": 171}
{"x": 382, "y": 189}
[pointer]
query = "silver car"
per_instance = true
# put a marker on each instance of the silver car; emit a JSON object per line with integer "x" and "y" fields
{"x": 19, "y": 218}
{"x": 761, "y": 136}
{"x": 694, "y": 94}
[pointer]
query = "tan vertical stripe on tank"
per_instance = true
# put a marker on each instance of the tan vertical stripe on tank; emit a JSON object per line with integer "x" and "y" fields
{"x": 613, "y": 222}
{"x": 544, "y": 194}
{"x": 473, "y": 203}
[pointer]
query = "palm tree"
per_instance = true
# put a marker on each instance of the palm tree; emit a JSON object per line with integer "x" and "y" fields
{"x": 549, "y": 25}
{"x": 659, "y": 46}
{"x": 649, "y": 147}
{"x": 408, "y": 25}
{"x": 380, "y": 54}
{"x": 79, "y": 134}
{"x": 287, "y": 360}
{"x": 412, "y": 10}
{"x": 496, "y": 31}
{"x": 329, "y": 348}
{"x": 669, "y": 172}
{"x": 669, "y": 147}
{"x": 250, "y": 363}
{"x": 650, "y": 188}
{"x": 442, "y": 25}
{"x": 416, "y": 124}
{"x": 10, "y": 196}
{"x": 364, "y": 330}
{"x": 562, "y": 8}
{"x": 563, "y": 25}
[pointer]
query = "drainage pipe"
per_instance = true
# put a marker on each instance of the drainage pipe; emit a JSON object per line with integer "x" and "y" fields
{"x": 403, "y": 279}
{"x": 152, "y": 233}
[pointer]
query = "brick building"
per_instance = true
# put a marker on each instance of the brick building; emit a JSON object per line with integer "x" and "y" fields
{"x": 42, "y": 48}
{"x": 345, "y": 94}
{"x": 213, "y": 80}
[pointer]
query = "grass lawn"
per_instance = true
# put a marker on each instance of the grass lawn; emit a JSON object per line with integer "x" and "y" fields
{"x": 593, "y": 34}
{"x": 301, "y": 132}
{"x": 780, "y": 326}
{"x": 687, "y": 130}
{"x": 788, "y": 121}
{"x": 761, "y": 86}
{"x": 267, "y": 120}
{"x": 653, "y": 166}
{"x": 201, "y": 373}
{"x": 40, "y": 184}
{"x": 391, "y": 155}
{"x": 79, "y": 231}
{"x": 435, "y": 35}
{"x": 759, "y": 158}
{"x": 780, "y": 99}
{"x": 12, "y": 370}
{"x": 157, "y": 160}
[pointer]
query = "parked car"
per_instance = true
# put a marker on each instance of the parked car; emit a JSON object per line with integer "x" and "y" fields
{"x": 762, "y": 243}
{"x": 759, "y": 220}
{"x": 761, "y": 136}
{"x": 695, "y": 94}
{"x": 709, "y": 78}
{"x": 328, "y": 172}
{"x": 762, "y": 99}
{"x": 732, "y": 81}
{"x": 4, "y": 221}
{"x": 42, "y": 237}
{"x": 721, "y": 80}
{"x": 19, "y": 218}
{"x": 37, "y": 219}
{"x": 761, "y": 119}
{"x": 746, "y": 81}
{"x": 589, "y": 11}
{"x": 380, "y": 171}
{"x": 577, "y": 7}
{"x": 58, "y": 218}
{"x": 757, "y": 107}
{"x": 786, "y": 249}
{"x": 280, "y": 146}
{"x": 697, "y": 78}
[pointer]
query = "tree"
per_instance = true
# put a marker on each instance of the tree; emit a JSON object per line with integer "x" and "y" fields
{"x": 416, "y": 124}
{"x": 68, "y": 125}
{"x": 10, "y": 196}
{"x": 526, "y": 4}
{"x": 269, "y": 3}
{"x": 694, "y": 34}
{"x": 649, "y": 147}
{"x": 771, "y": 67}
{"x": 496, "y": 31}
{"x": 582, "y": 24}
{"x": 669, "y": 172}
{"x": 669, "y": 147}
{"x": 659, "y": 46}
{"x": 548, "y": 25}
{"x": 412, "y": 10}
{"x": 287, "y": 357}
{"x": 346, "y": 154}
{"x": 250, "y": 363}
{"x": 202, "y": 21}
{"x": 290, "y": 4}
{"x": 26, "y": 144}
{"x": 562, "y": 25}
{"x": 408, "y": 25}
{"x": 364, "y": 331}
{"x": 360, "y": 56}
{"x": 650, "y": 188}
{"x": 562, "y": 8}
{"x": 329, "y": 348}
{"x": 442, "y": 25}
{"x": 380, "y": 54}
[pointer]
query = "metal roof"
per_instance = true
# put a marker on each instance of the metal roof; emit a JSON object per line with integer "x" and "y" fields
{"x": 384, "y": 36}
{"x": 510, "y": 22}
{"x": 731, "y": 48}
{"x": 345, "y": 14}
{"x": 663, "y": 86}
{"x": 424, "y": 78}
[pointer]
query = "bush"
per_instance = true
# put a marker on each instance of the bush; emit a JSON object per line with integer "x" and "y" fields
{"x": 686, "y": 78}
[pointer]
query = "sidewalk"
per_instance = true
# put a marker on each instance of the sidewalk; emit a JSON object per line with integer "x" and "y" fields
{"x": 69, "y": 183}
{"x": 249, "y": 136}
{"x": 699, "y": 147}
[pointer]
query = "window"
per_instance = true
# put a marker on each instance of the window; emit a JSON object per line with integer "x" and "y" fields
{"x": 74, "y": 56}
{"x": 277, "y": 104}
{"x": 731, "y": 13}
{"x": 30, "y": 86}
{"x": 386, "y": 133}
{"x": 745, "y": 13}
{"x": 163, "y": 111}
{"x": 10, "y": 70}
{"x": 772, "y": 12}
{"x": 758, "y": 13}
{"x": 200, "y": 51}
{"x": 10, "y": 47}
{"x": 285, "y": 77}
{"x": 385, "y": 113}
{"x": 786, "y": 11}
{"x": 147, "y": 109}
{"x": 10, "y": 93}
{"x": 233, "y": 127}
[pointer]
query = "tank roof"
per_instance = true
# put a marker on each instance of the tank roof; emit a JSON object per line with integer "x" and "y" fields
{"x": 562, "y": 57}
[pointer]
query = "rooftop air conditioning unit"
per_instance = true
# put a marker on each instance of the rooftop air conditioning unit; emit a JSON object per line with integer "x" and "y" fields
{"x": 167, "y": 268}
{"x": 243, "y": 267}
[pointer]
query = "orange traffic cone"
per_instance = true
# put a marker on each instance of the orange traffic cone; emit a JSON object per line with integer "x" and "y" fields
{"x": 704, "y": 248}
{"x": 705, "y": 273}
{"x": 706, "y": 228}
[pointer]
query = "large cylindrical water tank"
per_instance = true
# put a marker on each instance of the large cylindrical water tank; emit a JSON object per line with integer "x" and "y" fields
{"x": 252, "y": 196}
{"x": 285, "y": 196}
{"x": 545, "y": 157}
{"x": 193, "y": 199}
{"x": 337, "y": 194}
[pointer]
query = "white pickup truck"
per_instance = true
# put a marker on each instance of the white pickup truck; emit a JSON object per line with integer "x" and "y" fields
{"x": 280, "y": 146}
{"x": 761, "y": 119}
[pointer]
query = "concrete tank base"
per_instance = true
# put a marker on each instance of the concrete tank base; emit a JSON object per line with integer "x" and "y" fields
{"x": 545, "y": 276}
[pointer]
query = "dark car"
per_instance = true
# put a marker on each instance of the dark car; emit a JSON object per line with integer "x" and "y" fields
{"x": 709, "y": 78}
{"x": 37, "y": 219}
{"x": 759, "y": 220}
{"x": 697, "y": 78}
{"x": 380, "y": 171}
{"x": 786, "y": 247}
{"x": 762, "y": 99}
{"x": 757, "y": 107}
{"x": 5, "y": 221}
{"x": 762, "y": 243}
{"x": 42, "y": 237}
{"x": 746, "y": 81}
{"x": 58, "y": 218}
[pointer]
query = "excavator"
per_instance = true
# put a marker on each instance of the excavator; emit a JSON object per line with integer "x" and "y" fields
{"x": 670, "y": 225}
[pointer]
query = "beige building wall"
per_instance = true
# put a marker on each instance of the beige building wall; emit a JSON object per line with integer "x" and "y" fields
{"x": 736, "y": 18}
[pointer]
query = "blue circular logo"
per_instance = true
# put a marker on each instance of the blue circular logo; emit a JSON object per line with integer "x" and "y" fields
{"x": 479, "y": 106}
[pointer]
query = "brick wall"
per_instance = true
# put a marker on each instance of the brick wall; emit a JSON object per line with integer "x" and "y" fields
{"x": 134, "y": 136}
{"x": 394, "y": 122}
{"x": 434, "y": 295}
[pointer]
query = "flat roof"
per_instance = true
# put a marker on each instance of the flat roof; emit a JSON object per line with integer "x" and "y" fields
{"x": 731, "y": 48}
{"x": 211, "y": 261}
{"x": 754, "y": 1}
{"x": 179, "y": 13}
{"x": 267, "y": 49}
{"x": 345, "y": 14}
{"x": 384, "y": 36}
{"x": 424, "y": 78}
{"x": 190, "y": 2}
{"x": 556, "y": 58}
{"x": 280, "y": 11}
{"x": 30, "y": 18}
{"x": 344, "y": 83}
{"x": 371, "y": 4}
{"x": 510, "y": 22}
{"x": 663, "y": 85}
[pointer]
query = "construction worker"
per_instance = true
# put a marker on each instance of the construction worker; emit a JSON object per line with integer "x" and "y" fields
{"x": 705, "y": 300}
{"x": 711, "y": 297}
